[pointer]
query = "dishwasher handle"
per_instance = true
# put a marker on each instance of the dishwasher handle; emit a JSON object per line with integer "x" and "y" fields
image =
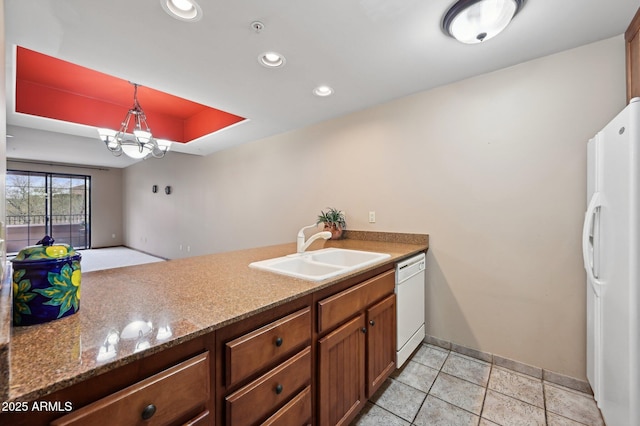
{"x": 410, "y": 267}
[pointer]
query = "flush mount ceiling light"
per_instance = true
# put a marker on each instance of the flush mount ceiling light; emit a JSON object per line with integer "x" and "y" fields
{"x": 474, "y": 21}
{"x": 271, "y": 59}
{"x": 323, "y": 91}
{"x": 184, "y": 10}
{"x": 137, "y": 142}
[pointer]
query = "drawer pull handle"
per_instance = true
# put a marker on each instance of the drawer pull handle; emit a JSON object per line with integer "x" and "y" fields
{"x": 279, "y": 341}
{"x": 279, "y": 389}
{"x": 364, "y": 329}
{"x": 372, "y": 322}
{"x": 148, "y": 412}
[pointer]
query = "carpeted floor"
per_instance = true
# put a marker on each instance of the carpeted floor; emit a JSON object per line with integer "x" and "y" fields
{"x": 113, "y": 257}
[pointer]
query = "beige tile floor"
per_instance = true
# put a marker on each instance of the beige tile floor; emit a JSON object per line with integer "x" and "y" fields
{"x": 441, "y": 387}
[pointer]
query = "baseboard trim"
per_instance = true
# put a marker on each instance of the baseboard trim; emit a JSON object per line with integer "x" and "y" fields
{"x": 520, "y": 367}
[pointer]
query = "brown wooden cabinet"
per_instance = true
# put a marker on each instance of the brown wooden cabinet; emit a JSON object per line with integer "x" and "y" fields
{"x": 177, "y": 381}
{"x": 632, "y": 41}
{"x": 341, "y": 373}
{"x": 356, "y": 357}
{"x": 381, "y": 343}
{"x": 271, "y": 368}
{"x": 266, "y": 366}
{"x": 177, "y": 395}
{"x": 256, "y": 400}
{"x": 256, "y": 350}
{"x": 296, "y": 409}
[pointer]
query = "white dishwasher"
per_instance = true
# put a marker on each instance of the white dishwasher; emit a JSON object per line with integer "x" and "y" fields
{"x": 410, "y": 283}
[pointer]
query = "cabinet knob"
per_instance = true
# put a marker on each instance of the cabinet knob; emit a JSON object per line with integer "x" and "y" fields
{"x": 148, "y": 412}
{"x": 363, "y": 329}
{"x": 279, "y": 341}
{"x": 279, "y": 389}
{"x": 372, "y": 322}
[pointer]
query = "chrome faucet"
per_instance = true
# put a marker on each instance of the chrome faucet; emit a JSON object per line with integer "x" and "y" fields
{"x": 302, "y": 245}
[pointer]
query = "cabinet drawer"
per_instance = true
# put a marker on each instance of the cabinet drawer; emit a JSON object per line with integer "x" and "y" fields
{"x": 257, "y": 350}
{"x": 261, "y": 397}
{"x": 175, "y": 394}
{"x": 296, "y": 412}
{"x": 338, "y": 308}
{"x": 202, "y": 419}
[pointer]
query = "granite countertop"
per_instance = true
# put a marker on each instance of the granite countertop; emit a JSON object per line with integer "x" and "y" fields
{"x": 151, "y": 307}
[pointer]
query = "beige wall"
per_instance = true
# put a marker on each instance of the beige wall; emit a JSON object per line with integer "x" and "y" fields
{"x": 493, "y": 168}
{"x": 106, "y": 199}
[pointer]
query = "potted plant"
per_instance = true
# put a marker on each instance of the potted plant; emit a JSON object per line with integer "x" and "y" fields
{"x": 333, "y": 220}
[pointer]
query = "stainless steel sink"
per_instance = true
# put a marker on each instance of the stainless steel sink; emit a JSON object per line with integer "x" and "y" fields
{"x": 320, "y": 264}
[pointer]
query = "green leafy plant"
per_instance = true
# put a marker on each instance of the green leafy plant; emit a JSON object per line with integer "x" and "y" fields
{"x": 21, "y": 296}
{"x": 332, "y": 218}
{"x": 64, "y": 291}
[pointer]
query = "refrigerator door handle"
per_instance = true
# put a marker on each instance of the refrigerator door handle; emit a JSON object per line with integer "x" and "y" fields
{"x": 589, "y": 251}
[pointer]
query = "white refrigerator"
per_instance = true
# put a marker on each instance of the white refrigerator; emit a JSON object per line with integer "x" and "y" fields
{"x": 611, "y": 252}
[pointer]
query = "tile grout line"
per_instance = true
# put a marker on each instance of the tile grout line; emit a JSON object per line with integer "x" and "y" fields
{"x": 486, "y": 387}
{"x": 544, "y": 402}
{"x": 493, "y": 362}
{"x": 486, "y": 391}
{"x": 388, "y": 411}
{"x": 430, "y": 387}
{"x": 468, "y": 381}
{"x": 440, "y": 370}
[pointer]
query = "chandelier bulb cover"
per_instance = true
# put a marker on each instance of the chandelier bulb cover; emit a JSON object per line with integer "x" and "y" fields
{"x": 475, "y": 21}
{"x": 134, "y": 138}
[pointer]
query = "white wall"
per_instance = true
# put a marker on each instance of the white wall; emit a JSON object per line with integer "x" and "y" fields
{"x": 493, "y": 168}
{"x": 106, "y": 199}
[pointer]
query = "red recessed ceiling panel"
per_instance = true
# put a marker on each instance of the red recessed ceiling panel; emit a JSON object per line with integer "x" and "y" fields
{"x": 52, "y": 88}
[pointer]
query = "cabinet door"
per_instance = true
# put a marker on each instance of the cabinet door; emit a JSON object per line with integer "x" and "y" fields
{"x": 341, "y": 375}
{"x": 381, "y": 343}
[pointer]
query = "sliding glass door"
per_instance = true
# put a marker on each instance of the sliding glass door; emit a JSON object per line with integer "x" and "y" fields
{"x": 40, "y": 204}
{"x": 69, "y": 209}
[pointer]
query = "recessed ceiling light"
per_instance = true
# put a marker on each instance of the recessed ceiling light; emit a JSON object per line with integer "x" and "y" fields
{"x": 271, "y": 59}
{"x": 184, "y": 10}
{"x": 323, "y": 91}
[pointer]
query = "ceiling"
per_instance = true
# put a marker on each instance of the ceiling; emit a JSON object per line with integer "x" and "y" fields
{"x": 369, "y": 51}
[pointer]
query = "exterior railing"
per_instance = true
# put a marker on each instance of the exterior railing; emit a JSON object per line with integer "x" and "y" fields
{"x": 41, "y": 219}
{"x": 21, "y": 235}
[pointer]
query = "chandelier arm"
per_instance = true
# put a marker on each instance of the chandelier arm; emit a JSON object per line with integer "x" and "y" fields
{"x": 156, "y": 154}
{"x": 123, "y": 127}
{"x": 140, "y": 136}
{"x": 135, "y": 96}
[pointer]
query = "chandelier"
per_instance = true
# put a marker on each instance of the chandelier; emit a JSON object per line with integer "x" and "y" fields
{"x": 137, "y": 143}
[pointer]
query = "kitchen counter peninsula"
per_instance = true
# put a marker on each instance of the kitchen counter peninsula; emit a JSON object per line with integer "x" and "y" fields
{"x": 130, "y": 313}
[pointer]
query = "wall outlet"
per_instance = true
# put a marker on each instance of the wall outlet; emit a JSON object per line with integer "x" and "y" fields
{"x": 372, "y": 217}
